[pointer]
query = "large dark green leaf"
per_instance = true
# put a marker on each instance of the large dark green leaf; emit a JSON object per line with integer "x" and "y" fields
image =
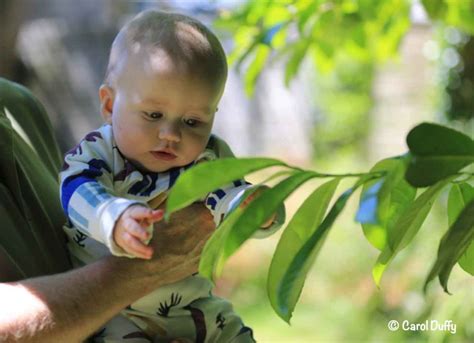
{"x": 383, "y": 202}
{"x": 301, "y": 227}
{"x": 290, "y": 286}
{"x": 453, "y": 245}
{"x": 459, "y": 196}
{"x": 437, "y": 152}
{"x": 206, "y": 177}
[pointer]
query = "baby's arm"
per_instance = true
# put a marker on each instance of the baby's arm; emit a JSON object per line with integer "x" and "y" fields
{"x": 86, "y": 190}
{"x": 130, "y": 232}
{"x": 224, "y": 200}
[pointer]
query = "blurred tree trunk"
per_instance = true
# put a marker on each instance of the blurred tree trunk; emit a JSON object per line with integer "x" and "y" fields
{"x": 11, "y": 14}
{"x": 460, "y": 87}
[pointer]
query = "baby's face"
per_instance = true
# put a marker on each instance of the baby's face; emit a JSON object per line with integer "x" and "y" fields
{"x": 161, "y": 117}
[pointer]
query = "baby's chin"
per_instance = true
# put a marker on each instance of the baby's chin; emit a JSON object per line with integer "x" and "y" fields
{"x": 164, "y": 166}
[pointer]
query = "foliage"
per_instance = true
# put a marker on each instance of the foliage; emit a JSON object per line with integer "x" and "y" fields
{"x": 345, "y": 40}
{"x": 388, "y": 206}
{"x": 327, "y": 31}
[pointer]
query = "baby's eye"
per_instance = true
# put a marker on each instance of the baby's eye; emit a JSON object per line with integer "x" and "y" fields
{"x": 154, "y": 115}
{"x": 191, "y": 122}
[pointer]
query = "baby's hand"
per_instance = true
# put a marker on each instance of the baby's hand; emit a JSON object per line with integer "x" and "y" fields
{"x": 254, "y": 196}
{"x": 130, "y": 230}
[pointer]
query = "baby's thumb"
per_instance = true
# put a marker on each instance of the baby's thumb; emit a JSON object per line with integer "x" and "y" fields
{"x": 156, "y": 215}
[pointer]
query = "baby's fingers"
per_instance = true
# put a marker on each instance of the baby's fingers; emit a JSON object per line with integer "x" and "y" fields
{"x": 136, "y": 247}
{"x": 136, "y": 230}
{"x": 146, "y": 215}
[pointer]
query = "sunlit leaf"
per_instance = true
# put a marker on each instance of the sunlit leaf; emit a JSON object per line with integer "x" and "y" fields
{"x": 437, "y": 152}
{"x": 241, "y": 223}
{"x": 262, "y": 52}
{"x": 459, "y": 196}
{"x": 294, "y": 62}
{"x": 384, "y": 202}
{"x": 270, "y": 33}
{"x": 409, "y": 223}
{"x": 290, "y": 286}
{"x": 369, "y": 203}
{"x": 382, "y": 262}
{"x": 405, "y": 228}
{"x": 300, "y": 228}
{"x": 456, "y": 13}
{"x": 306, "y": 14}
{"x": 206, "y": 177}
{"x": 212, "y": 252}
{"x": 453, "y": 245}
{"x": 435, "y": 8}
{"x": 261, "y": 209}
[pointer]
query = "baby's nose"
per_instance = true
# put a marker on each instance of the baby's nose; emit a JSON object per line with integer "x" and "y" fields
{"x": 169, "y": 132}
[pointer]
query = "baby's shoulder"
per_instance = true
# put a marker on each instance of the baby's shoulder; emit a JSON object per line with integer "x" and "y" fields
{"x": 219, "y": 147}
{"x": 95, "y": 143}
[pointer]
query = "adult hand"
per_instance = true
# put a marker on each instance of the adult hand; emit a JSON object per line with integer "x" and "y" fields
{"x": 178, "y": 244}
{"x": 65, "y": 307}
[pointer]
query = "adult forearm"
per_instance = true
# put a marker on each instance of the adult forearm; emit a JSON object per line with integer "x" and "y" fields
{"x": 70, "y": 306}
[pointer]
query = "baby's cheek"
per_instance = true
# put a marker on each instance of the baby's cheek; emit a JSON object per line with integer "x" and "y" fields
{"x": 196, "y": 145}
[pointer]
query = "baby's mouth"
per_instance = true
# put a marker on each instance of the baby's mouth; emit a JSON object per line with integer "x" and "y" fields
{"x": 164, "y": 155}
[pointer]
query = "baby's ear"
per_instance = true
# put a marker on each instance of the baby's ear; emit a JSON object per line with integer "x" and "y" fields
{"x": 106, "y": 96}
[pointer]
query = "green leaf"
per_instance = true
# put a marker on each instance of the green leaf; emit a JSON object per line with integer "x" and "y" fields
{"x": 453, "y": 13}
{"x": 306, "y": 14}
{"x": 406, "y": 227}
{"x": 240, "y": 224}
{"x": 452, "y": 246}
{"x": 261, "y": 209}
{"x": 380, "y": 211}
{"x": 410, "y": 222}
{"x": 206, "y": 177}
{"x": 297, "y": 55}
{"x": 460, "y": 195}
{"x": 212, "y": 252}
{"x": 382, "y": 262}
{"x": 262, "y": 53}
{"x": 434, "y": 8}
{"x": 437, "y": 152}
{"x": 291, "y": 286}
{"x": 466, "y": 261}
{"x": 301, "y": 227}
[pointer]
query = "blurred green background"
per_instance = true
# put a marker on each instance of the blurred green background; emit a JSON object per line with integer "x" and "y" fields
{"x": 328, "y": 85}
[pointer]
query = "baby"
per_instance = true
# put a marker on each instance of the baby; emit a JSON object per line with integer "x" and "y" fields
{"x": 165, "y": 78}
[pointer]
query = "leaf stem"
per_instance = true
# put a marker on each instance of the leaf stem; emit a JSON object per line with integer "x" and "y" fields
{"x": 468, "y": 176}
{"x": 376, "y": 174}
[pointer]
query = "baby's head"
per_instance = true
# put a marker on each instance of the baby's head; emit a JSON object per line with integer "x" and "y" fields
{"x": 165, "y": 77}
